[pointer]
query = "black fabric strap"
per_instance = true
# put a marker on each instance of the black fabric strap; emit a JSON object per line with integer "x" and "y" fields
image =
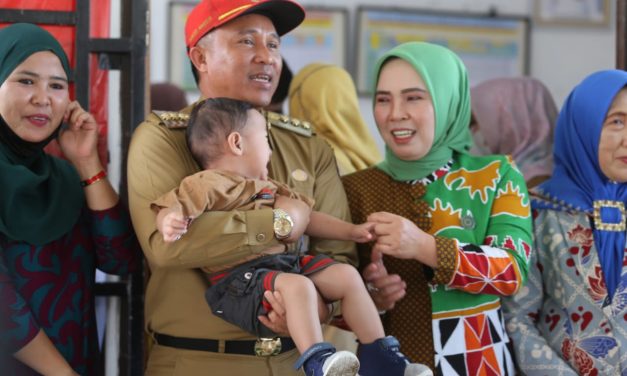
{"x": 212, "y": 345}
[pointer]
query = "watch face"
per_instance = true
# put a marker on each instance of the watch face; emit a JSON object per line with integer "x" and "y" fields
{"x": 282, "y": 224}
{"x": 282, "y": 227}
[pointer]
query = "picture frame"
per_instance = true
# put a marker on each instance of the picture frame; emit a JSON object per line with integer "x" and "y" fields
{"x": 321, "y": 38}
{"x": 489, "y": 46}
{"x": 179, "y": 68}
{"x": 587, "y": 13}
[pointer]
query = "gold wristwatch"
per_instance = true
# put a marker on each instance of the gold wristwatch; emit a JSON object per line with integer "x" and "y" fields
{"x": 283, "y": 224}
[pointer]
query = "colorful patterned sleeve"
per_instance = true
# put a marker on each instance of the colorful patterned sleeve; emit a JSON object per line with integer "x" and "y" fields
{"x": 17, "y": 325}
{"x": 499, "y": 265}
{"x": 533, "y": 354}
{"x": 115, "y": 242}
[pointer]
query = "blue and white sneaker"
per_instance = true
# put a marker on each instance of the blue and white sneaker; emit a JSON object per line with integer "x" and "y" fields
{"x": 322, "y": 359}
{"x": 383, "y": 357}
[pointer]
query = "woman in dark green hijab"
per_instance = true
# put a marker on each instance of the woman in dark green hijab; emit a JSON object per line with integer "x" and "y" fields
{"x": 59, "y": 219}
{"x": 453, "y": 230}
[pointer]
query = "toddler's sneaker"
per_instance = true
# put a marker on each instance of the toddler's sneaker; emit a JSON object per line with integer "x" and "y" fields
{"x": 322, "y": 359}
{"x": 383, "y": 357}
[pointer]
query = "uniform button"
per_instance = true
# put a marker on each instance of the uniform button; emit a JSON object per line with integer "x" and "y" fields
{"x": 299, "y": 175}
{"x": 261, "y": 237}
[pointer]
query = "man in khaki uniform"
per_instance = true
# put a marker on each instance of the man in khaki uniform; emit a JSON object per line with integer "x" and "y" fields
{"x": 234, "y": 47}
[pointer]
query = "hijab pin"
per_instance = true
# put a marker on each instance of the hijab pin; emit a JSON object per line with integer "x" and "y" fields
{"x": 468, "y": 221}
{"x": 599, "y": 205}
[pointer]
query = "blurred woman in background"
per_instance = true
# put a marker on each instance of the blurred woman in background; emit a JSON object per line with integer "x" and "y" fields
{"x": 325, "y": 95}
{"x": 515, "y": 116}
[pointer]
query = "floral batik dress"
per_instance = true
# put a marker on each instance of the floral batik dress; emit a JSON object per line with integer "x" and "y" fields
{"x": 562, "y": 322}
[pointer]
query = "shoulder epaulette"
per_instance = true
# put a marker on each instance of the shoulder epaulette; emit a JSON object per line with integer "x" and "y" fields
{"x": 289, "y": 123}
{"x": 172, "y": 120}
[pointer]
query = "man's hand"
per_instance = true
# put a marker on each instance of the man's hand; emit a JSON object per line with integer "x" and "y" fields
{"x": 172, "y": 224}
{"x": 276, "y": 319}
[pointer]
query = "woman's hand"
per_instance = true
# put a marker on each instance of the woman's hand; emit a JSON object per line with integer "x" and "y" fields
{"x": 385, "y": 289}
{"x": 80, "y": 139}
{"x": 401, "y": 238}
{"x": 43, "y": 357}
{"x": 79, "y": 142}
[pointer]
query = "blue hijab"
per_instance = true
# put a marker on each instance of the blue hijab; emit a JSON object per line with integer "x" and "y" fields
{"x": 577, "y": 180}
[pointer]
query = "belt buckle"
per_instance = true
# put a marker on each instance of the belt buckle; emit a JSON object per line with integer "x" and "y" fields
{"x": 268, "y": 346}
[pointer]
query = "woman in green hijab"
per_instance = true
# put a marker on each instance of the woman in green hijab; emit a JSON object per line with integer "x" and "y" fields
{"x": 453, "y": 230}
{"x": 59, "y": 220}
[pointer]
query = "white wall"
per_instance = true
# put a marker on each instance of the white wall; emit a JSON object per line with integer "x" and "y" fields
{"x": 559, "y": 56}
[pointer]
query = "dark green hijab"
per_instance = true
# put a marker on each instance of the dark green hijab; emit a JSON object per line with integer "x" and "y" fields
{"x": 40, "y": 195}
{"x": 447, "y": 82}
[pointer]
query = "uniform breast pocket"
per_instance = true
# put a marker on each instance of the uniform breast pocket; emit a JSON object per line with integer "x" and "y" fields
{"x": 304, "y": 187}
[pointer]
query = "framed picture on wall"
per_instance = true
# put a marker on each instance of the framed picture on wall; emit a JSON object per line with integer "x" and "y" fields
{"x": 490, "y": 47}
{"x": 321, "y": 38}
{"x": 179, "y": 68}
{"x": 572, "y": 12}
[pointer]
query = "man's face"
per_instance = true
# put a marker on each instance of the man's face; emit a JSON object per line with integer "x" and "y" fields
{"x": 241, "y": 60}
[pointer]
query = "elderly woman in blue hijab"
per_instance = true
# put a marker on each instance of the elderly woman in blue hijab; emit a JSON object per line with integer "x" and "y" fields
{"x": 572, "y": 317}
{"x": 58, "y": 220}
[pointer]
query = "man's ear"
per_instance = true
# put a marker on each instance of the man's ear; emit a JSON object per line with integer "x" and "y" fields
{"x": 197, "y": 56}
{"x": 235, "y": 143}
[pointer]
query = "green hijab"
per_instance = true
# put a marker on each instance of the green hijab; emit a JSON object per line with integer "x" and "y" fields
{"x": 447, "y": 82}
{"x": 40, "y": 198}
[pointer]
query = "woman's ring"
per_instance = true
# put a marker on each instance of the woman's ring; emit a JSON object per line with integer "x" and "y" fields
{"x": 370, "y": 287}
